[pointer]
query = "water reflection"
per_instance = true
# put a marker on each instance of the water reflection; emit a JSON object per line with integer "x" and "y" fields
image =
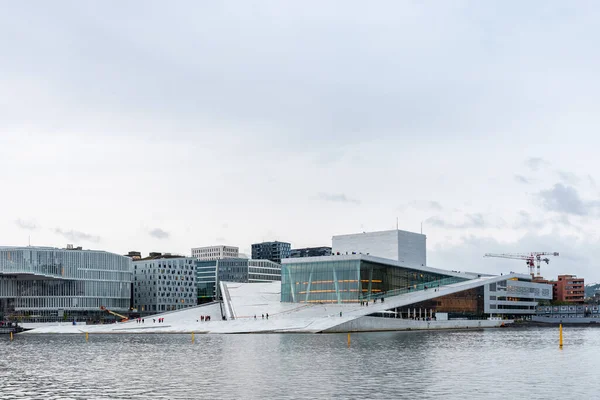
{"x": 491, "y": 364}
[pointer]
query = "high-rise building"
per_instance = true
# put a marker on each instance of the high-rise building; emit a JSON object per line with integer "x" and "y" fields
{"x": 310, "y": 252}
{"x": 406, "y": 247}
{"x": 243, "y": 270}
{"x": 164, "y": 283}
{"x": 274, "y": 251}
{"x": 48, "y": 284}
{"x": 215, "y": 252}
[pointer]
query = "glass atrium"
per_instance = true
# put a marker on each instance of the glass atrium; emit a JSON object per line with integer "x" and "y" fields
{"x": 345, "y": 280}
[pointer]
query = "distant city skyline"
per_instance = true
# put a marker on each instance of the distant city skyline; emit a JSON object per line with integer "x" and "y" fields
{"x": 164, "y": 128}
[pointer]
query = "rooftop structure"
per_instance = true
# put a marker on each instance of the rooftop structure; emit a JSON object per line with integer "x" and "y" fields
{"x": 407, "y": 247}
{"x": 310, "y": 252}
{"x": 218, "y": 252}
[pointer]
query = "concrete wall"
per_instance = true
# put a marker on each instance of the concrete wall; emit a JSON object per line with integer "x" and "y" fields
{"x": 367, "y": 324}
{"x": 407, "y": 247}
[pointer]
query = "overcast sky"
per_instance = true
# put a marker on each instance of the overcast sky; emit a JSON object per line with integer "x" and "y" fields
{"x": 159, "y": 127}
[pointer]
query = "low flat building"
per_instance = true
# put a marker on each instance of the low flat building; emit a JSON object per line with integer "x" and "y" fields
{"x": 218, "y": 252}
{"x": 407, "y": 247}
{"x": 164, "y": 283}
{"x": 310, "y": 252}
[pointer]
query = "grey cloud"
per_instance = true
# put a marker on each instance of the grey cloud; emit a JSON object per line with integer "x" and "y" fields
{"x": 475, "y": 220}
{"x": 564, "y": 199}
{"x": 591, "y": 181}
{"x": 522, "y": 179}
{"x": 568, "y": 177}
{"x": 525, "y": 221}
{"x": 29, "y": 225}
{"x": 76, "y": 236}
{"x": 159, "y": 233}
{"x": 338, "y": 198}
{"x": 535, "y": 163}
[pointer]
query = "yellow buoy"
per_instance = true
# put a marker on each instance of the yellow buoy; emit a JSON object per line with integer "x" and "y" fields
{"x": 11, "y": 336}
{"x": 348, "y": 339}
{"x": 192, "y": 337}
{"x": 87, "y": 335}
{"x": 560, "y": 336}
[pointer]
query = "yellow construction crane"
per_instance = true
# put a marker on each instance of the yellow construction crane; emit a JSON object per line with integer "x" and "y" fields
{"x": 123, "y": 318}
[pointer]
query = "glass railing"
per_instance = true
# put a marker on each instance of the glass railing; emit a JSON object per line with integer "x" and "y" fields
{"x": 416, "y": 287}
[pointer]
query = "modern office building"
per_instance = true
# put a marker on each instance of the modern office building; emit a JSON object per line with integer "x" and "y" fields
{"x": 215, "y": 252}
{"x": 49, "y": 284}
{"x": 209, "y": 273}
{"x": 274, "y": 251}
{"x": 164, "y": 283}
{"x": 310, "y": 252}
{"x": 407, "y": 247}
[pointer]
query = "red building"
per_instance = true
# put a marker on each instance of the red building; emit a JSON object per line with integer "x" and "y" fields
{"x": 568, "y": 288}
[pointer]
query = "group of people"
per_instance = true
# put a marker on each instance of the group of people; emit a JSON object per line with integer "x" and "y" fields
{"x": 160, "y": 320}
{"x": 263, "y": 316}
{"x": 204, "y": 318}
{"x": 139, "y": 320}
{"x": 366, "y": 302}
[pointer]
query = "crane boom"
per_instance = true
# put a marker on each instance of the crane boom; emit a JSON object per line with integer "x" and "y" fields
{"x": 532, "y": 260}
{"x": 123, "y": 318}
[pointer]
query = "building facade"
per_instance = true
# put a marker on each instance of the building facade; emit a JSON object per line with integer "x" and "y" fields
{"x": 362, "y": 278}
{"x": 215, "y": 252}
{"x": 243, "y": 270}
{"x": 274, "y": 251}
{"x": 515, "y": 297}
{"x": 164, "y": 284}
{"x": 310, "y": 252}
{"x": 45, "y": 283}
{"x": 407, "y": 247}
{"x": 354, "y": 278}
{"x": 569, "y": 288}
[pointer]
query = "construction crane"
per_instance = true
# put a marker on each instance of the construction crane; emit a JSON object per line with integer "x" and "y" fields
{"x": 123, "y": 318}
{"x": 533, "y": 259}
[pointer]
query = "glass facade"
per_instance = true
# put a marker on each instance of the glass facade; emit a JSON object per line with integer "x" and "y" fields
{"x": 351, "y": 280}
{"x": 233, "y": 270}
{"x": 274, "y": 251}
{"x": 48, "y": 282}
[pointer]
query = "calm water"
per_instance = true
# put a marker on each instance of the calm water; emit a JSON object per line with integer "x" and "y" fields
{"x": 486, "y": 364}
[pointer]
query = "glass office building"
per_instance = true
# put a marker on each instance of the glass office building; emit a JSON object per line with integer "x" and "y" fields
{"x": 209, "y": 273}
{"x": 353, "y": 278}
{"x": 47, "y": 283}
